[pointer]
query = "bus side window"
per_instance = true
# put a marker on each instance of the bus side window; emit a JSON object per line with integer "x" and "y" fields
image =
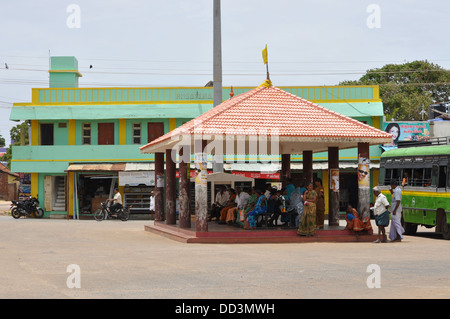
{"x": 427, "y": 177}
{"x": 397, "y": 175}
{"x": 387, "y": 177}
{"x": 418, "y": 177}
{"x": 448, "y": 179}
{"x": 407, "y": 177}
{"x": 434, "y": 175}
{"x": 442, "y": 176}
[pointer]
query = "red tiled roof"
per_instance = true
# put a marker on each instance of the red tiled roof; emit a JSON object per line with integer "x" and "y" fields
{"x": 4, "y": 169}
{"x": 271, "y": 109}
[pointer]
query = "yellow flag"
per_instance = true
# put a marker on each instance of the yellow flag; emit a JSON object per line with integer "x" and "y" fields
{"x": 264, "y": 54}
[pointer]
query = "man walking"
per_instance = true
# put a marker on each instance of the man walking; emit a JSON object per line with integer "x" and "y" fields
{"x": 395, "y": 234}
{"x": 380, "y": 210}
{"x": 152, "y": 204}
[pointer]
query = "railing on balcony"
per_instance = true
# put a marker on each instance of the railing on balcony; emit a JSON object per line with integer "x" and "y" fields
{"x": 177, "y": 95}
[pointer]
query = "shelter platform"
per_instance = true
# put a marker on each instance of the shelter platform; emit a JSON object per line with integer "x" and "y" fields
{"x": 230, "y": 234}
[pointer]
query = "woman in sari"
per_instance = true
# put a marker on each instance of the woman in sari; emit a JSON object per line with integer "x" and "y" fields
{"x": 355, "y": 223}
{"x": 308, "y": 221}
{"x": 320, "y": 204}
{"x": 231, "y": 203}
{"x": 260, "y": 208}
{"x": 250, "y": 206}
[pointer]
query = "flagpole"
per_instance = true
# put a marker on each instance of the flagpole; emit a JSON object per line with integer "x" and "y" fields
{"x": 268, "y": 83}
{"x": 217, "y": 54}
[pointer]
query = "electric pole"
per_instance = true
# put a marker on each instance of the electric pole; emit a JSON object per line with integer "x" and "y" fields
{"x": 217, "y": 78}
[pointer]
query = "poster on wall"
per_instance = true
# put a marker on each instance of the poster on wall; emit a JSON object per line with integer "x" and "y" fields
{"x": 24, "y": 186}
{"x": 406, "y": 131}
{"x": 201, "y": 164}
{"x": 159, "y": 181}
{"x": 363, "y": 172}
{"x": 334, "y": 180}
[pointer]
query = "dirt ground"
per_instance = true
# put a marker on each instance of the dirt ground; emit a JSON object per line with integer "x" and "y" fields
{"x": 120, "y": 260}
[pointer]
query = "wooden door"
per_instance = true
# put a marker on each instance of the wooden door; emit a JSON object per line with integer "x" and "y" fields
{"x": 48, "y": 193}
{"x": 105, "y": 133}
{"x": 155, "y": 130}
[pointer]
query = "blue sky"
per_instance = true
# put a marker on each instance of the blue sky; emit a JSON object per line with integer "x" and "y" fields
{"x": 169, "y": 43}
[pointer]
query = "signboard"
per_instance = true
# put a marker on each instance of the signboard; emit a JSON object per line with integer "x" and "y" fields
{"x": 192, "y": 173}
{"x": 406, "y": 131}
{"x": 135, "y": 178}
{"x": 258, "y": 175}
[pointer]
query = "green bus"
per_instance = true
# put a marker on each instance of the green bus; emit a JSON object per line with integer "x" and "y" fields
{"x": 426, "y": 195}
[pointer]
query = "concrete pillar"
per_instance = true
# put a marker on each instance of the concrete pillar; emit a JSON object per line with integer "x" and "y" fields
{"x": 308, "y": 166}
{"x": 285, "y": 168}
{"x": 217, "y": 54}
{"x": 159, "y": 187}
{"x": 184, "y": 217}
{"x": 201, "y": 186}
{"x": 170, "y": 188}
{"x": 333, "y": 169}
{"x": 363, "y": 180}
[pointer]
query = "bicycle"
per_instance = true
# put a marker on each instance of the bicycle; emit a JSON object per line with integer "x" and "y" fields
{"x": 105, "y": 213}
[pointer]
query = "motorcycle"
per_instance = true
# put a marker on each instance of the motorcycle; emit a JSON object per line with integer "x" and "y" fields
{"x": 27, "y": 207}
{"x": 106, "y": 213}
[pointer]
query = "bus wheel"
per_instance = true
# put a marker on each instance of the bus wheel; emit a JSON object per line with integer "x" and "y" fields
{"x": 410, "y": 229}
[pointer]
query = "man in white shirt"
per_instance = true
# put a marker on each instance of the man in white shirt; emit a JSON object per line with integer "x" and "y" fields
{"x": 242, "y": 199}
{"x": 152, "y": 203}
{"x": 117, "y": 200}
{"x": 380, "y": 210}
{"x": 396, "y": 231}
{"x": 222, "y": 198}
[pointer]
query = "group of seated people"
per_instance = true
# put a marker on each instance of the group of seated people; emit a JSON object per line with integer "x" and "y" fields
{"x": 236, "y": 207}
{"x": 243, "y": 206}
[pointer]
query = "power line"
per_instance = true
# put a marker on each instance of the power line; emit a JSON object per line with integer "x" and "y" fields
{"x": 90, "y": 84}
{"x": 309, "y": 73}
{"x": 237, "y": 62}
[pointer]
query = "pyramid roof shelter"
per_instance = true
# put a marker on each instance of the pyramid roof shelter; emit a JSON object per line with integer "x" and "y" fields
{"x": 265, "y": 121}
{"x": 297, "y": 124}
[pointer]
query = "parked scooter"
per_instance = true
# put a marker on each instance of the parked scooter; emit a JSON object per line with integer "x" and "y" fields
{"x": 27, "y": 207}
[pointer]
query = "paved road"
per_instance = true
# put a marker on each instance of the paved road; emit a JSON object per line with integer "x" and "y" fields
{"x": 120, "y": 260}
{"x": 4, "y": 206}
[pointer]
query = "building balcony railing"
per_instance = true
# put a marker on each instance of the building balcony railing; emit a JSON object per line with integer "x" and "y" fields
{"x": 177, "y": 95}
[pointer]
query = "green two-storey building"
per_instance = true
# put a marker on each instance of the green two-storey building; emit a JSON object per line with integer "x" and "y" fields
{"x": 86, "y": 140}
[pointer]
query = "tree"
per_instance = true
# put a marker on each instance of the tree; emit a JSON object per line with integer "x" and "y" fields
{"x": 2, "y": 141}
{"x": 16, "y": 131}
{"x": 407, "y": 88}
{"x": 16, "y": 139}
